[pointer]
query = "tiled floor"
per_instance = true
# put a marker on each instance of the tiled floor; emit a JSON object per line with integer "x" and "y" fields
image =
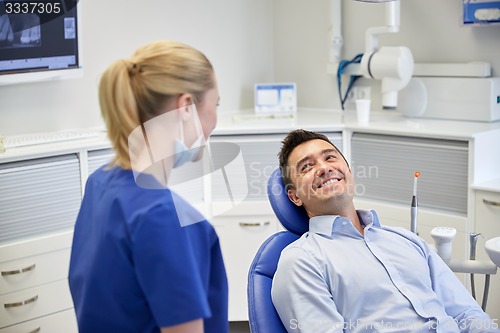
{"x": 239, "y": 327}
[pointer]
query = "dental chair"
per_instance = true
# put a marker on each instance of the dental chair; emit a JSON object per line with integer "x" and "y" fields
{"x": 263, "y": 317}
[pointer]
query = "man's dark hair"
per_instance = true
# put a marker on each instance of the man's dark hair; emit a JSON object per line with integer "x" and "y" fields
{"x": 292, "y": 140}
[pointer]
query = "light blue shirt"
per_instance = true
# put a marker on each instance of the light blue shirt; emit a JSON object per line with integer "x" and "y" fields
{"x": 333, "y": 279}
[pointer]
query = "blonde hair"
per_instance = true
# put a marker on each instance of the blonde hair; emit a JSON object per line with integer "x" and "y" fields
{"x": 133, "y": 91}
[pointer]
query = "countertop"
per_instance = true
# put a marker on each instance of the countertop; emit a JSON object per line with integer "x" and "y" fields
{"x": 492, "y": 186}
{"x": 323, "y": 120}
{"x": 381, "y": 122}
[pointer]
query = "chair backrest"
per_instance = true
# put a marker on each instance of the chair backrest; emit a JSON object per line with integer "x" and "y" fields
{"x": 262, "y": 315}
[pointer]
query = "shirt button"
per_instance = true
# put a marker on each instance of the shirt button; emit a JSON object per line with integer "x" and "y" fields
{"x": 344, "y": 223}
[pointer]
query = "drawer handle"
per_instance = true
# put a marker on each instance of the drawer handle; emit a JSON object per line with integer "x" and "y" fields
{"x": 20, "y": 303}
{"x": 254, "y": 224}
{"x": 36, "y": 330}
{"x": 19, "y": 271}
{"x": 491, "y": 203}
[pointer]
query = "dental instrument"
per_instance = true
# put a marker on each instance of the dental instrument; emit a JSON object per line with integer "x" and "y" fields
{"x": 472, "y": 256}
{"x": 443, "y": 238}
{"x": 414, "y": 204}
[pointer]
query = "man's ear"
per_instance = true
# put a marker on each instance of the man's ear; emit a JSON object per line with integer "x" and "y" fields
{"x": 292, "y": 195}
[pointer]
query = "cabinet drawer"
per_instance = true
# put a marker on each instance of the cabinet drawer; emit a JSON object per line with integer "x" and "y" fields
{"x": 488, "y": 213}
{"x": 241, "y": 237}
{"x": 487, "y": 222}
{"x": 35, "y": 302}
{"x": 61, "y": 322}
{"x": 35, "y": 270}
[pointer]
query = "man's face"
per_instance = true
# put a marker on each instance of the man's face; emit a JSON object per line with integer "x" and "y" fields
{"x": 323, "y": 182}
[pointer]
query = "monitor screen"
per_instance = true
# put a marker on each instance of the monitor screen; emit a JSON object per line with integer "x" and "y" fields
{"x": 275, "y": 98}
{"x": 481, "y": 12}
{"x": 38, "y": 38}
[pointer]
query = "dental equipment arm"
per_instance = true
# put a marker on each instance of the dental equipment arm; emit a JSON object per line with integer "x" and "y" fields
{"x": 336, "y": 39}
{"x": 443, "y": 239}
{"x": 392, "y": 65}
{"x": 458, "y": 302}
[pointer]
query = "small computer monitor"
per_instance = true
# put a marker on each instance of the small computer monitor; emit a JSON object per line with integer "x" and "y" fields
{"x": 481, "y": 12}
{"x": 275, "y": 98}
{"x": 39, "y": 41}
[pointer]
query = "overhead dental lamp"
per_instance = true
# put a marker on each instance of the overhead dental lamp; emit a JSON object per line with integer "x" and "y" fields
{"x": 393, "y": 65}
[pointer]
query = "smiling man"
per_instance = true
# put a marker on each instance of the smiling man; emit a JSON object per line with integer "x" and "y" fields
{"x": 349, "y": 273}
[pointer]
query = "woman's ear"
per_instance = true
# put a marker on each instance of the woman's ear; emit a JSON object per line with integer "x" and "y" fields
{"x": 184, "y": 102}
{"x": 292, "y": 195}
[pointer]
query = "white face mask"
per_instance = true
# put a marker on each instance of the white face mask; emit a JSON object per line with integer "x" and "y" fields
{"x": 183, "y": 154}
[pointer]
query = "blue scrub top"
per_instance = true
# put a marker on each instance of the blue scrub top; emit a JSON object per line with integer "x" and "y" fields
{"x": 134, "y": 268}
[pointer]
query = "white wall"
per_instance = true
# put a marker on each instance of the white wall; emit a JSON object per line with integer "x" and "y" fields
{"x": 248, "y": 41}
{"x": 430, "y": 28}
{"x": 301, "y": 50}
{"x": 235, "y": 35}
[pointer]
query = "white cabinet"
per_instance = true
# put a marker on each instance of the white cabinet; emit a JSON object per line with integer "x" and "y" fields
{"x": 33, "y": 270}
{"x": 60, "y": 322}
{"x": 39, "y": 301}
{"x": 487, "y": 222}
{"x": 39, "y": 201}
{"x": 241, "y": 232}
{"x": 34, "y": 286}
{"x": 40, "y": 196}
{"x": 242, "y": 228}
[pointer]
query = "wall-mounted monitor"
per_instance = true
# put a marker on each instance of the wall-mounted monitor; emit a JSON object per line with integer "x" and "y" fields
{"x": 39, "y": 41}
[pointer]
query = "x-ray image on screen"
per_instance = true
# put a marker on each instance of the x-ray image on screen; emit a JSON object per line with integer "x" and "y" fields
{"x": 38, "y": 40}
{"x": 21, "y": 30}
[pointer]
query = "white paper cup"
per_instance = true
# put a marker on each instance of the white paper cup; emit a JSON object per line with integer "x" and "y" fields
{"x": 363, "y": 110}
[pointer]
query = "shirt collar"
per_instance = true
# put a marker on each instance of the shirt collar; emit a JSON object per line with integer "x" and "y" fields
{"x": 328, "y": 224}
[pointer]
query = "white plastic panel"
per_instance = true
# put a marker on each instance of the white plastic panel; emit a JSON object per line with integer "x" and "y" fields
{"x": 191, "y": 190}
{"x": 98, "y": 158}
{"x": 38, "y": 196}
{"x": 384, "y": 165}
{"x": 260, "y": 155}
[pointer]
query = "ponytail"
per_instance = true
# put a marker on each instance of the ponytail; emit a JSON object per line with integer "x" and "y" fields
{"x": 119, "y": 109}
{"x": 134, "y": 91}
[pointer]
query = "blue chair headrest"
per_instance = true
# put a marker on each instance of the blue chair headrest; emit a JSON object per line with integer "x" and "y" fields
{"x": 292, "y": 217}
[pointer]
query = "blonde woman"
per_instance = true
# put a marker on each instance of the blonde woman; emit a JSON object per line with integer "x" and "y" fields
{"x": 134, "y": 267}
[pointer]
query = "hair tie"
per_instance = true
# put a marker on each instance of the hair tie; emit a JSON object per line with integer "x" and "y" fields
{"x": 135, "y": 69}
